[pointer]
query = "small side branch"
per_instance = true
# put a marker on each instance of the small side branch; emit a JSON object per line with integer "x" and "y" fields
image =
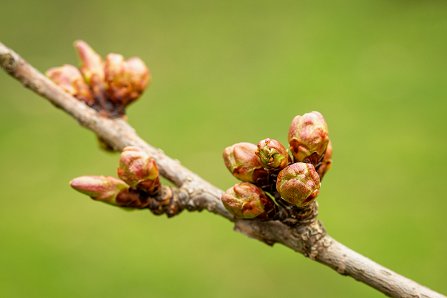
{"x": 197, "y": 194}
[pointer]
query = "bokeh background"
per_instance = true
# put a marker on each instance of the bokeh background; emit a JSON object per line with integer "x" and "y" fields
{"x": 225, "y": 72}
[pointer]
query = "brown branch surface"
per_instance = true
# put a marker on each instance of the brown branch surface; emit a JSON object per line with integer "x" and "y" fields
{"x": 311, "y": 240}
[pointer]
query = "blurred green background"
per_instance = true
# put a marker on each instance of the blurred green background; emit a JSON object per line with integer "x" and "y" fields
{"x": 225, "y": 72}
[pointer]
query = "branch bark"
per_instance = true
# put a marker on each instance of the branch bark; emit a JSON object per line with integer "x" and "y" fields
{"x": 310, "y": 240}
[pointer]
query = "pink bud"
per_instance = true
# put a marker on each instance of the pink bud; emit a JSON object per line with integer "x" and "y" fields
{"x": 298, "y": 184}
{"x": 101, "y": 188}
{"x": 241, "y": 160}
{"x": 126, "y": 79}
{"x": 71, "y": 80}
{"x": 308, "y": 137}
{"x": 92, "y": 65}
{"x": 139, "y": 170}
{"x": 92, "y": 69}
{"x": 245, "y": 200}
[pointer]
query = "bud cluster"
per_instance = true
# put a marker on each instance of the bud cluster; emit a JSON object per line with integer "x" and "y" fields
{"x": 273, "y": 179}
{"x": 139, "y": 180}
{"x": 107, "y": 86}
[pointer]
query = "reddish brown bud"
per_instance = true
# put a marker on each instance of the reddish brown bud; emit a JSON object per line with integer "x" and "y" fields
{"x": 69, "y": 78}
{"x": 139, "y": 170}
{"x": 326, "y": 163}
{"x": 308, "y": 137}
{"x": 241, "y": 160}
{"x": 126, "y": 79}
{"x": 272, "y": 154}
{"x": 298, "y": 184}
{"x": 101, "y": 188}
{"x": 246, "y": 200}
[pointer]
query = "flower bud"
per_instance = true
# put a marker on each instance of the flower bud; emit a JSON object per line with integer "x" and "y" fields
{"x": 298, "y": 184}
{"x": 101, "y": 188}
{"x": 92, "y": 65}
{"x": 246, "y": 200}
{"x": 92, "y": 69}
{"x": 126, "y": 79}
{"x": 326, "y": 162}
{"x": 69, "y": 78}
{"x": 139, "y": 170}
{"x": 308, "y": 137}
{"x": 272, "y": 154}
{"x": 241, "y": 160}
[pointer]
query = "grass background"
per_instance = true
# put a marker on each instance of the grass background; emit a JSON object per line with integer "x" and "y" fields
{"x": 225, "y": 72}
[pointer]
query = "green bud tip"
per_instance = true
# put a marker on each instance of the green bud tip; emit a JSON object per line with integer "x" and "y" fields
{"x": 272, "y": 154}
{"x": 308, "y": 137}
{"x": 298, "y": 184}
{"x": 243, "y": 163}
{"x": 246, "y": 200}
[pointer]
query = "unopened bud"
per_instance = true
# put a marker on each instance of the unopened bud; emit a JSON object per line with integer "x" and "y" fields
{"x": 246, "y": 200}
{"x": 308, "y": 137}
{"x": 241, "y": 160}
{"x": 298, "y": 184}
{"x": 326, "y": 163}
{"x": 92, "y": 65}
{"x": 126, "y": 79}
{"x": 69, "y": 78}
{"x": 101, "y": 188}
{"x": 272, "y": 154}
{"x": 92, "y": 69}
{"x": 139, "y": 170}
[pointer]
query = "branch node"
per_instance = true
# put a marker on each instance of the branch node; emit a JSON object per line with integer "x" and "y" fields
{"x": 8, "y": 62}
{"x": 313, "y": 237}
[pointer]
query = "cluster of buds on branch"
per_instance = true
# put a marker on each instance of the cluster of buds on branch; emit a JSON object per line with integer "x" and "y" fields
{"x": 277, "y": 185}
{"x": 139, "y": 185}
{"x": 107, "y": 86}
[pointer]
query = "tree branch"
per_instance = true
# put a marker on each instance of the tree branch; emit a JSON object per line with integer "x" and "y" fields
{"x": 311, "y": 240}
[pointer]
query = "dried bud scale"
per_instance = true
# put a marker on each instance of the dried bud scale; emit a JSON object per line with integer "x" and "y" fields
{"x": 298, "y": 184}
{"x": 326, "y": 163}
{"x": 246, "y": 200}
{"x": 308, "y": 137}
